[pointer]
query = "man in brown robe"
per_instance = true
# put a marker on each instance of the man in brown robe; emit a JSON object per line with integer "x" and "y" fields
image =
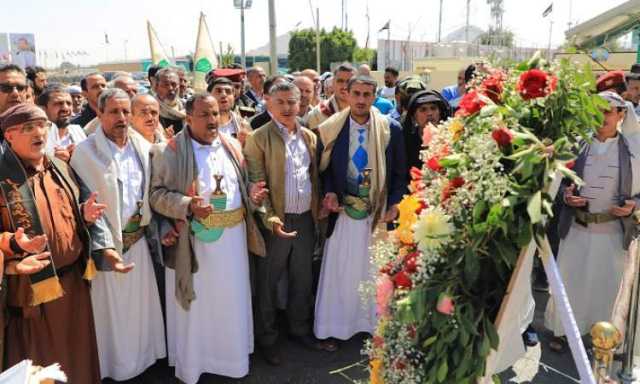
{"x": 49, "y": 317}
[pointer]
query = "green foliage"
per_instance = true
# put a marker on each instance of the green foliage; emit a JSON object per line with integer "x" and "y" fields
{"x": 503, "y": 37}
{"x": 227, "y": 57}
{"x": 335, "y": 46}
{"x": 364, "y": 55}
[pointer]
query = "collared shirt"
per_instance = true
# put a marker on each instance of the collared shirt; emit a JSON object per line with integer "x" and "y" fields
{"x": 354, "y": 144}
{"x": 131, "y": 178}
{"x": 259, "y": 101}
{"x": 297, "y": 188}
{"x": 214, "y": 160}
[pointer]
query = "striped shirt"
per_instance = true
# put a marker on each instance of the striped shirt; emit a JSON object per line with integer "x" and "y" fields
{"x": 297, "y": 184}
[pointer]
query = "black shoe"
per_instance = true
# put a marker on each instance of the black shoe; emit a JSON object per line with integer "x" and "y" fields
{"x": 530, "y": 337}
{"x": 271, "y": 355}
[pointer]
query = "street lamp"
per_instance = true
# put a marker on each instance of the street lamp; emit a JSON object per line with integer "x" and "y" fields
{"x": 242, "y": 5}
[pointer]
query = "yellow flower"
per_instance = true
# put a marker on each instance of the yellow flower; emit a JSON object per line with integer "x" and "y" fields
{"x": 376, "y": 371}
{"x": 433, "y": 229}
{"x": 407, "y": 211}
{"x": 456, "y": 128}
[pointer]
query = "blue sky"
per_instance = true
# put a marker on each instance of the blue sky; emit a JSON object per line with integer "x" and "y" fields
{"x": 72, "y": 25}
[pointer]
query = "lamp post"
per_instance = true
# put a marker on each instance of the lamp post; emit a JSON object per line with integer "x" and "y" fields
{"x": 242, "y": 5}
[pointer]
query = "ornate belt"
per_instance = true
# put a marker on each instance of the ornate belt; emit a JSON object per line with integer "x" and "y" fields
{"x": 358, "y": 206}
{"x": 224, "y": 219}
{"x": 130, "y": 238}
{"x": 586, "y": 218}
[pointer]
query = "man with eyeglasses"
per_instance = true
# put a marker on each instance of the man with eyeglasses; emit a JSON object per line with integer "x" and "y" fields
{"x": 13, "y": 88}
{"x": 167, "y": 88}
{"x": 48, "y": 303}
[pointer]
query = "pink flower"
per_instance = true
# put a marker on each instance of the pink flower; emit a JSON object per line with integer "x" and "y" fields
{"x": 384, "y": 293}
{"x": 427, "y": 135}
{"x": 445, "y": 305}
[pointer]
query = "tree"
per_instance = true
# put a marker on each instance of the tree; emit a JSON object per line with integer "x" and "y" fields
{"x": 335, "y": 46}
{"x": 227, "y": 57}
{"x": 364, "y": 55}
{"x": 503, "y": 37}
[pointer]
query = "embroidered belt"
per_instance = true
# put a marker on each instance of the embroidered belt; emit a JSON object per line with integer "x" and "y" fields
{"x": 223, "y": 219}
{"x": 130, "y": 238}
{"x": 357, "y": 207}
{"x": 586, "y": 218}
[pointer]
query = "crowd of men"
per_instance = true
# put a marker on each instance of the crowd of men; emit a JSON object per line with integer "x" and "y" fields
{"x": 171, "y": 223}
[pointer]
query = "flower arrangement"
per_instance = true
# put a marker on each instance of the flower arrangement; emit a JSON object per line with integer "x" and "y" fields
{"x": 479, "y": 198}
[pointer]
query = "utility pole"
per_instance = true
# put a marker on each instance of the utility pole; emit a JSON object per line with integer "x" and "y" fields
{"x": 318, "y": 39}
{"x": 125, "y": 50}
{"x": 366, "y": 43}
{"x": 440, "y": 23}
{"x": 549, "y": 46}
{"x": 272, "y": 37}
{"x": 342, "y": 16}
{"x": 466, "y": 28}
{"x": 242, "y": 5}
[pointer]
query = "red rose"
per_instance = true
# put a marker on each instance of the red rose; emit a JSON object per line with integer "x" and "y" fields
{"x": 402, "y": 280}
{"x": 411, "y": 331}
{"x": 492, "y": 87}
{"x": 502, "y": 136}
{"x": 536, "y": 83}
{"x": 416, "y": 173}
{"x": 450, "y": 188}
{"x": 570, "y": 164}
{"x": 387, "y": 268}
{"x": 434, "y": 164}
{"x": 410, "y": 262}
{"x": 470, "y": 104}
{"x": 378, "y": 341}
{"x": 423, "y": 205}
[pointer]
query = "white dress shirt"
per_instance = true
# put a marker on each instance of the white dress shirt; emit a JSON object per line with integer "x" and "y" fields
{"x": 131, "y": 178}
{"x": 297, "y": 184}
{"x": 215, "y": 160}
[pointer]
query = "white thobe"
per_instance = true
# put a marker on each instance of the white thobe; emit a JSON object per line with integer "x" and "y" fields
{"x": 591, "y": 259}
{"x": 126, "y": 307}
{"x": 74, "y": 135}
{"x": 346, "y": 265}
{"x": 216, "y": 334}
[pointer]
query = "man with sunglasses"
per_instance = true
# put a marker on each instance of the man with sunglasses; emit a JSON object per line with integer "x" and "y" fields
{"x": 13, "y": 88}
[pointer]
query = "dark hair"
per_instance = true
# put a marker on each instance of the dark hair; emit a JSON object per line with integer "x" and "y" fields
{"x": 32, "y": 72}
{"x": 414, "y": 103}
{"x": 188, "y": 106}
{"x": 83, "y": 82}
{"x": 368, "y": 80}
{"x": 270, "y": 81}
{"x": 469, "y": 73}
{"x": 219, "y": 81}
{"x": 44, "y": 97}
{"x": 344, "y": 67}
{"x": 152, "y": 70}
{"x": 12, "y": 68}
{"x": 392, "y": 71}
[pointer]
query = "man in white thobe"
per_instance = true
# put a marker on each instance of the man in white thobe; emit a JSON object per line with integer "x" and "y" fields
{"x": 114, "y": 162}
{"x": 209, "y": 318}
{"x": 363, "y": 170}
{"x": 596, "y": 223}
{"x": 63, "y": 136}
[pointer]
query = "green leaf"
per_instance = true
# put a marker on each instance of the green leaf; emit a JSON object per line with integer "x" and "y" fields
{"x": 484, "y": 347}
{"x": 430, "y": 341}
{"x": 442, "y": 371}
{"x": 478, "y": 210}
{"x": 534, "y": 207}
{"x": 494, "y": 338}
{"x": 471, "y": 266}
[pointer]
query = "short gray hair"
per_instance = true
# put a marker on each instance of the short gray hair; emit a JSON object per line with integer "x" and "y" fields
{"x": 110, "y": 93}
{"x": 165, "y": 72}
{"x": 285, "y": 87}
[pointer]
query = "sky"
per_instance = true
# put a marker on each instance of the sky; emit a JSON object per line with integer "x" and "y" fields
{"x": 80, "y": 25}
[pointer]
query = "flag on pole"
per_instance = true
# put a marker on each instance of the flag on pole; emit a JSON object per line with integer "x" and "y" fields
{"x": 106, "y": 38}
{"x": 204, "y": 58}
{"x": 158, "y": 54}
{"x": 548, "y": 10}
{"x": 386, "y": 26}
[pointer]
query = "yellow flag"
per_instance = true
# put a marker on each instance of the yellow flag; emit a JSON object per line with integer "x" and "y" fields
{"x": 204, "y": 59}
{"x": 158, "y": 54}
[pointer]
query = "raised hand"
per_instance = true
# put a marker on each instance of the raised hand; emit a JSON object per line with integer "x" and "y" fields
{"x": 625, "y": 210}
{"x": 198, "y": 209}
{"x": 33, "y": 263}
{"x": 572, "y": 200}
{"x": 279, "y": 231}
{"x": 91, "y": 210}
{"x": 258, "y": 192}
{"x": 116, "y": 261}
{"x": 35, "y": 244}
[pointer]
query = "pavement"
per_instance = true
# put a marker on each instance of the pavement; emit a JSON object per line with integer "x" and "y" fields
{"x": 302, "y": 366}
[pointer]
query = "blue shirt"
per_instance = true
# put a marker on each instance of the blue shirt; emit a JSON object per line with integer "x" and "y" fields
{"x": 450, "y": 92}
{"x": 383, "y": 105}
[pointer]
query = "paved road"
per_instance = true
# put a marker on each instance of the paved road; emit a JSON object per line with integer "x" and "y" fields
{"x": 301, "y": 366}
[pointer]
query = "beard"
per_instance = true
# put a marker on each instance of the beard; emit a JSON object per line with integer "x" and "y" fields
{"x": 63, "y": 122}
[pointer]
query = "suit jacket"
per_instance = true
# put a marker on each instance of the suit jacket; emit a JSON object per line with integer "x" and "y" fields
{"x": 264, "y": 117}
{"x": 334, "y": 178}
{"x": 265, "y": 154}
{"x": 93, "y": 161}
{"x": 171, "y": 194}
{"x": 625, "y": 183}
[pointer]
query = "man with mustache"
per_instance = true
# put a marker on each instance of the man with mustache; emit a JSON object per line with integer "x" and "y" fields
{"x": 92, "y": 85}
{"x": 363, "y": 173}
{"x": 209, "y": 323}
{"x": 145, "y": 118}
{"x": 114, "y": 161}
{"x": 44, "y": 207}
{"x": 13, "y": 88}
{"x": 282, "y": 154}
{"x": 63, "y": 136}
{"x": 167, "y": 87}
{"x": 230, "y": 123}
{"x": 336, "y": 103}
